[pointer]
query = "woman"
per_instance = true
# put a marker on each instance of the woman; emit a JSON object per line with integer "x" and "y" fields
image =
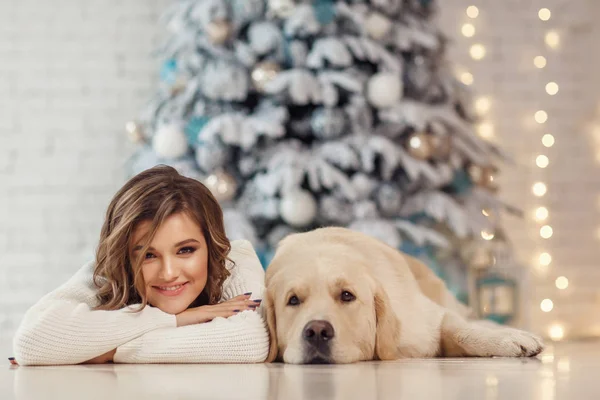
{"x": 166, "y": 286}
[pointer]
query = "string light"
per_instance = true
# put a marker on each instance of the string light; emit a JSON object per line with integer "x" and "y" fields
{"x": 551, "y": 88}
{"x": 539, "y": 189}
{"x": 542, "y": 161}
{"x": 477, "y": 51}
{"x": 545, "y": 259}
{"x": 548, "y": 140}
{"x": 468, "y": 30}
{"x": 544, "y": 14}
{"x": 539, "y": 61}
{"x": 546, "y": 305}
{"x": 561, "y": 283}
{"x": 487, "y": 235}
{"x": 546, "y": 231}
{"x": 485, "y": 130}
{"x": 541, "y": 116}
{"x": 556, "y": 332}
{"x": 472, "y": 12}
{"x": 466, "y": 78}
{"x": 482, "y": 105}
{"x": 541, "y": 214}
{"x": 552, "y": 39}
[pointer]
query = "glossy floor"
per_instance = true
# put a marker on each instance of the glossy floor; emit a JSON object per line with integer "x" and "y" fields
{"x": 563, "y": 371}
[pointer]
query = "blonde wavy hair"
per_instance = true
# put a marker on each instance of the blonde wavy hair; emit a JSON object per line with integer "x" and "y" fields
{"x": 154, "y": 195}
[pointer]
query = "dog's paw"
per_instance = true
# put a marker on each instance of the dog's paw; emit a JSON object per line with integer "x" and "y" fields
{"x": 517, "y": 343}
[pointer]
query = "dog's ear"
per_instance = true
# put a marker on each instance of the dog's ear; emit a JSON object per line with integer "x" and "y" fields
{"x": 387, "y": 327}
{"x": 269, "y": 307}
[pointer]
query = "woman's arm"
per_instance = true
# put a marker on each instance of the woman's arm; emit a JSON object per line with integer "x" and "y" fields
{"x": 242, "y": 338}
{"x": 63, "y": 328}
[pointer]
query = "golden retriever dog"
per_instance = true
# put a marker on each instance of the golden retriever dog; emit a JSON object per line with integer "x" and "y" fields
{"x": 334, "y": 295}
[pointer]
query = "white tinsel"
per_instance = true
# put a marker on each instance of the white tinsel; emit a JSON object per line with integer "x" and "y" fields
{"x": 439, "y": 206}
{"x": 243, "y": 130}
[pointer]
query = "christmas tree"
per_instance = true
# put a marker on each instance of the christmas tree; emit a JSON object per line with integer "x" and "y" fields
{"x": 306, "y": 113}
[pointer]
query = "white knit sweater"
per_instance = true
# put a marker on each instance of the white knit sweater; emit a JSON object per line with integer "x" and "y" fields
{"x": 63, "y": 328}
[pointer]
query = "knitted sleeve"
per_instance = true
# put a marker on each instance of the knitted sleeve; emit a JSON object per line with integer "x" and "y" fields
{"x": 242, "y": 338}
{"x": 63, "y": 328}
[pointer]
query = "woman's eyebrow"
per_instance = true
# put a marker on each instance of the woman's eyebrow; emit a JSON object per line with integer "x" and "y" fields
{"x": 186, "y": 241}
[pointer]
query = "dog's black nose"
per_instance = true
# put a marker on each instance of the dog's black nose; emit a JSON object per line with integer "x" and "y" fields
{"x": 318, "y": 332}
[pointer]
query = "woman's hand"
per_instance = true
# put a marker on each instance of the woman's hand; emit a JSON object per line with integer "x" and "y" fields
{"x": 225, "y": 309}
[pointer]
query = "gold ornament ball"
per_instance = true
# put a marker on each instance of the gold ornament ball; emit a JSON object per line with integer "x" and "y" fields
{"x": 218, "y": 31}
{"x": 484, "y": 176}
{"x": 490, "y": 178}
{"x": 441, "y": 146}
{"x": 222, "y": 185}
{"x": 134, "y": 132}
{"x": 263, "y": 73}
{"x": 418, "y": 146}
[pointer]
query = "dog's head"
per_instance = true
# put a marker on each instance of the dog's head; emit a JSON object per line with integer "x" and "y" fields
{"x": 324, "y": 306}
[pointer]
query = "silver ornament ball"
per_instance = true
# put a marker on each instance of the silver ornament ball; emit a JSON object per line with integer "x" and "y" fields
{"x": 298, "y": 208}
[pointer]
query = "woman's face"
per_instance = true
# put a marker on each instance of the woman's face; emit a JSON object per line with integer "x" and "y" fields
{"x": 175, "y": 268}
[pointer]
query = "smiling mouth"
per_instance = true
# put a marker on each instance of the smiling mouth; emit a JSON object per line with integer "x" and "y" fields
{"x": 171, "y": 290}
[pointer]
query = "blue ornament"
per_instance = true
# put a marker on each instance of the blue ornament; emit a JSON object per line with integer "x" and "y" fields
{"x": 461, "y": 182}
{"x": 193, "y": 128}
{"x": 265, "y": 255}
{"x": 168, "y": 71}
{"x": 423, "y": 253}
{"x": 324, "y": 11}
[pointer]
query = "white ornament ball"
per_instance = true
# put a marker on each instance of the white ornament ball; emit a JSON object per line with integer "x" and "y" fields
{"x": 170, "y": 141}
{"x": 384, "y": 89}
{"x": 298, "y": 208}
{"x": 377, "y": 25}
{"x": 222, "y": 185}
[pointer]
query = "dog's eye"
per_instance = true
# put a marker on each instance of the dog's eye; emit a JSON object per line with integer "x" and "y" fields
{"x": 293, "y": 301}
{"x": 347, "y": 296}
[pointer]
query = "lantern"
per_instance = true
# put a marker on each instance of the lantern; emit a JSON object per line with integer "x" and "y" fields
{"x": 496, "y": 297}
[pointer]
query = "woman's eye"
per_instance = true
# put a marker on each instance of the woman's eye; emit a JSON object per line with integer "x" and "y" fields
{"x": 293, "y": 301}
{"x": 187, "y": 250}
{"x": 149, "y": 255}
{"x": 347, "y": 296}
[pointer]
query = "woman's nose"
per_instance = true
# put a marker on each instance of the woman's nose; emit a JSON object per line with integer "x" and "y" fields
{"x": 168, "y": 271}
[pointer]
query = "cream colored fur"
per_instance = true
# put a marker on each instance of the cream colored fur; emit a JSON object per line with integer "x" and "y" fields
{"x": 401, "y": 309}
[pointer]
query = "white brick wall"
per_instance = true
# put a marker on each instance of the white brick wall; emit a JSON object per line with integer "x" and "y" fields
{"x": 513, "y": 35}
{"x": 74, "y": 71}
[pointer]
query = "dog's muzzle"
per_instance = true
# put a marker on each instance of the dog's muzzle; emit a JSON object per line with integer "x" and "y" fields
{"x": 317, "y": 337}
